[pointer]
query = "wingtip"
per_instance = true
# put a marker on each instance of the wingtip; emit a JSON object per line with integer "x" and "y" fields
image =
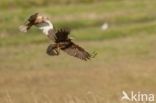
{"x": 90, "y": 56}
{"x": 23, "y": 28}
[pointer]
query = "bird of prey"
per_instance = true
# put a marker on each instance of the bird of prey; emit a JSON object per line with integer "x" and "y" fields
{"x": 61, "y": 38}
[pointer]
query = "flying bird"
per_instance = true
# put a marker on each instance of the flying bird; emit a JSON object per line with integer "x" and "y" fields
{"x": 61, "y": 38}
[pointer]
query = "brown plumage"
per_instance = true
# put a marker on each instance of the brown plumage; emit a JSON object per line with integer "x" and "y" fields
{"x": 76, "y": 51}
{"x": 64, "y": 43}
{"x": 60, "y": 37}
{"x": 34, "y": 19}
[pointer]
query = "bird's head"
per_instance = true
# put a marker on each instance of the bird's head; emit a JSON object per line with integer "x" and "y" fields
{"x": 34, "y": 19}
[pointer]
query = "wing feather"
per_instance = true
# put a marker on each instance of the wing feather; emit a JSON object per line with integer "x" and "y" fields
{"x": 77, "y": 51}
{"x": 62, "y": 35}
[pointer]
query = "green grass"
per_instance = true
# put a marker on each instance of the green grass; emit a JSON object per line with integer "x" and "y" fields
{"x": 88, "y": 34}
{"x": 125, "y": 61}
{"x": 125, "y": 18}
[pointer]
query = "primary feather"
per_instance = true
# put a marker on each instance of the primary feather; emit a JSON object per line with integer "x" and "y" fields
{"x": 76, "y": 51}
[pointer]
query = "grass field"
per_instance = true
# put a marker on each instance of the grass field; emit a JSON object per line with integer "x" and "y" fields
{"x": 125, "y": 61}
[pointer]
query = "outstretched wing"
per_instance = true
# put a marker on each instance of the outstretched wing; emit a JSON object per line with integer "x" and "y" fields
{"x": 29, "y": 23}
{"x": 62, "y": 35}
{"x": 76, "y": 51}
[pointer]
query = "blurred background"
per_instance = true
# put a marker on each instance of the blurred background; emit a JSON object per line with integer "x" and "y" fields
{"x": 122, "y": 32}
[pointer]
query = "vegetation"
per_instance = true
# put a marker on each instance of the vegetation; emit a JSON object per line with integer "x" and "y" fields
{"x": 125, "y": 61}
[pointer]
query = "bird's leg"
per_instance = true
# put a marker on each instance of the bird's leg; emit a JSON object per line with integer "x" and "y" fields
{"x": 52, "y": 50}
{"x": 56, "y": 50}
